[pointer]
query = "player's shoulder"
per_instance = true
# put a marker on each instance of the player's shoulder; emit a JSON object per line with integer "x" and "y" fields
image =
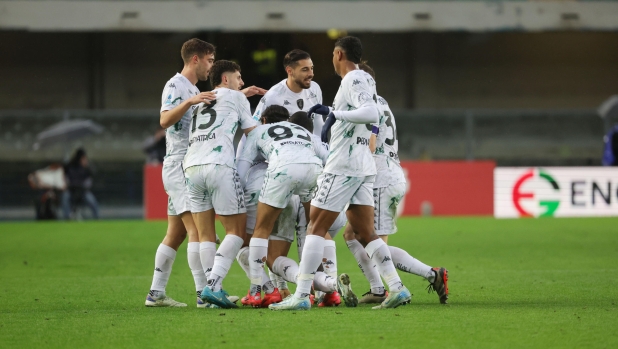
{"x": 382, "y": 101}
{"x": 315, "y": 87}
{"x": 356, "y": 78}
{"x": 356, "y": 74}
{"x": 256, "y": 134}
{"x": 275, "y": 92}
{"x": 172, "y": 84}
{"x": 224, "y": 92}
{"x": 317, "y": 141}
{"x": 176, "y": 81}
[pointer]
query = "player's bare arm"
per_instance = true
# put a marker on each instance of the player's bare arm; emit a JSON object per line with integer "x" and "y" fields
{"x": 247, "y": 130}
{"x": 253, "y": 90}
{"x": 372, "y": 142}
{"x": 170, "y": 117}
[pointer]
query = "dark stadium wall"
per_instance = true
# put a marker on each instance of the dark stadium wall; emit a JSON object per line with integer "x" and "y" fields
{"x": 415, "y": 70}
{"x": 515, "y": 70}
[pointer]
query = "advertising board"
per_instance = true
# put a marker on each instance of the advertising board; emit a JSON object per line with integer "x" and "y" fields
{"x": 555, "y": 192}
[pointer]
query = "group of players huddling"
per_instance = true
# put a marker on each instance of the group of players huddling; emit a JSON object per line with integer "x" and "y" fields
{"x": 286, "y": 180}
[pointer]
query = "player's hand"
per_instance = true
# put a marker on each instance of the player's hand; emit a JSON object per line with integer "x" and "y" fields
{"x": 253, "y": 90}
{"x": 330, "y": 120}
{"x": 204, "y": 97}
{"x": 318, "y": 109}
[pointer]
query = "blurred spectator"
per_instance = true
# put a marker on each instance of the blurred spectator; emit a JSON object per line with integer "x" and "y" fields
{"x": 79, "y": 179}
{"x": 154, "y": 147}
{"x": 47, "y": 182}
{"x": 610, "y": 151}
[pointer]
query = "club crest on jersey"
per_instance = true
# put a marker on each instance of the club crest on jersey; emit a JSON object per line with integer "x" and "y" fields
{"x": 363, "y": 97}
{"x": 300, "y": 103}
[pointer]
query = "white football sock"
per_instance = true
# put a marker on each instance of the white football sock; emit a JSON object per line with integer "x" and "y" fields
{"x": 258, "y": 249}
{"x": 278, "y": 280}
{"x": 267, "y": 285}
{"x": 367, "y": 266}
{"x": 207, "y": 257}
{"x": 286, "y": 268}
{"x": 300, "y": 243}
{"x": 329, "y": 260}
{"x": 404, "y": 262}
{"x": 381, "y": 256}
{"x": 224, "y": 257}
{"x": 312, "y": 257}
{"x": 324, "y": 282}
{"x": 193, "y": 256}
{"x": 164, "y": 260}
{"x": 243, "y": 260}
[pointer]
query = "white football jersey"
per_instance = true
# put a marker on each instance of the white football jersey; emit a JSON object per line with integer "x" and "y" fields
{"x": 177, "y": 90}
{"x": 349, "y": 142}
{"x": 321, "y": 148}
{"x": 387, "y": 145}
{"x": 281, "y": 143}
{"x": 281, "y": 95}
{"x": 213, "y": 128}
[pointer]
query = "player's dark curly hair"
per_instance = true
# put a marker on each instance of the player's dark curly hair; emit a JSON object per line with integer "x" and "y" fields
{"x": 291, "y": 58}
{"x": 194, "y": 47}
{"x": 275, "y": 113}
{"x": 300, "y": 118}
{"x": 352, "y": 47}
{"x": 219, "y": 68}
{"x": 367, "y": 69}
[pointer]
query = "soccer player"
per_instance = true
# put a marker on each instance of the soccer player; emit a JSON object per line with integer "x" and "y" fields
{"x": 293, "y": 168}
{"x": 252, "y": 185}
{"x": 178, "y": 100}
{"x": 276, "y": 249}
{"x": 291, "y": 219}
{"x": 212, "y": 180}
{"x": 389, "y": 189}
{"x": 277, "y": 258}
{"x": 347, "y": 180}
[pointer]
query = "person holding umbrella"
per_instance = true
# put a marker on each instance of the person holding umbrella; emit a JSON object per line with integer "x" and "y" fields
{"x": 79, "y": 179}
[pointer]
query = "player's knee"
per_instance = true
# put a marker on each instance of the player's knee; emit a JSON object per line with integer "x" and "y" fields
{"x": 175, "y": 240}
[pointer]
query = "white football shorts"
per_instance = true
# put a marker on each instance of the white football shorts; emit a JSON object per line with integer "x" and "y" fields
{"x": 284, "y": 181}
{"x": 386, "y": 200}
{"x": 174, "y": 185}
{"x": 215, "y": 186}
{"x": 285, "y": 225}
{"x": 335, "y": 192}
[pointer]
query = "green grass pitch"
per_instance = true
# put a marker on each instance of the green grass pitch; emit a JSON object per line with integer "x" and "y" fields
{"x": 545, "y": 283}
